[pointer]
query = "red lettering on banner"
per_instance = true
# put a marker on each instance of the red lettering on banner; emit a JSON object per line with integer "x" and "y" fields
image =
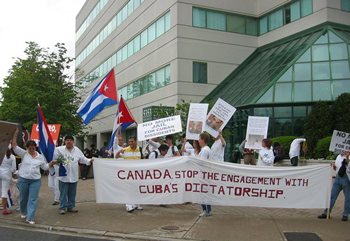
{"x": 211, "y": 175}
{"x": 297, "y": 182}
{"x": 144, "y": 174}
{"x": 147, "y": 189}
{"x": 186, "y": 174}
{"x": 119, "y": 174}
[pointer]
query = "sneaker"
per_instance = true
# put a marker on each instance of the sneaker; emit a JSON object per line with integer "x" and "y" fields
{"x": 30, "y": 222}
{"x": 322, "y": 216}
{"x": 72, "y": 210}
{"x": 23, "y": 216}
{"x": 55, "y": 203}
{"x": 202, "y": 214}
{"x": 130, "y": 210}
{"x": 6, "y": 212}
{"x": 139, "y": 208}
{"x": 209, "y": 214}
{"x": 17, "y": 209}
{"x": 62, "y": 211}
{"x": 345, "y": 218}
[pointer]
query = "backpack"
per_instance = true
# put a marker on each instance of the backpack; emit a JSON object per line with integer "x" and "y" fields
{"x": 140, "y": 151}
{"x": 173, "y": 150}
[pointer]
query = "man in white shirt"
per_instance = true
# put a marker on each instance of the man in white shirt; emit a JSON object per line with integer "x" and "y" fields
{"x": 159, "y": 153}
{"x": 68, "y": 174}
{"x": 117, "y": 145}
{"x": 218, "y": 147}
{"x": 188, "y": 145}
{"x": 294, "y": 151}
{"x": 173, "y": 151}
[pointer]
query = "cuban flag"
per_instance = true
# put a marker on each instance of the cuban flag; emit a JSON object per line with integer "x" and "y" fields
{"x": 46, "y": 144}
{"x": 123, "y": 119}
{"x": 104, "y": 94}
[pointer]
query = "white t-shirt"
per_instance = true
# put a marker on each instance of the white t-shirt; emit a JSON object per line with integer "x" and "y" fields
{"x": 188, "y": 147}
{"x": 170, "y": 151}
{"x": 8, "y": 166}
{"x": 295, "y": 147}
{"x": 266, "y": 157}
{"x": 205, "y": 153}
{"x": 217, "y": 151}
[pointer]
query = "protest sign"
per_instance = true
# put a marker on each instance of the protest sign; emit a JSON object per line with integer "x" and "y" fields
{"x": 195, "y": 120}
{"x": 218, "y": 117}
{"x": 160, "y": 127}
{"x": 189, "y": 179}
{"x": 53, "y": 128}
{"x": 256, "y": 131}
{"x": 6, "y": 134}
{"x": 340, "y": 142}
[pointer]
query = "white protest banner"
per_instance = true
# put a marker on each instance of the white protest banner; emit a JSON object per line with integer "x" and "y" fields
{"x": 160, "y": 127}
{"x": 6, "y": 134}
{"x": 340, "y": 142}
{"x": 188, "y": 179}
{"x": 256, "y": 131}
{"x": 218, "y": 117}
{"x": 195, "y": 120}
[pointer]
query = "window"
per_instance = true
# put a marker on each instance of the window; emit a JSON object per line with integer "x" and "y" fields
{"x": 151, "y": 33}
{"x": 345, "y": 5}
{"x": 263, "y": 25}
{"x": 160, "y": 26}
{"x": 275, "y": 19}
{"x": 216, "y": 20}
{"x": 295, "y": 11}
{"x": 200, "y": 73}
{"x": 235, "y": 24}
{"x": 306, "y": 7}
{"x": 199, "y": 18}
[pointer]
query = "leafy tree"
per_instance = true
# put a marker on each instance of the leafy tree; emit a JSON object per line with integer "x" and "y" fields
{"x": 41, "y": 78}
{"x": 341, "y": 114}
{"x": 318, "y": 124}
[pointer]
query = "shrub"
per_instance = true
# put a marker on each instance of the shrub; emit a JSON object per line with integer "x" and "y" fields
{"x": 341, "y": 117}
{"x": 284, "y": 141}
{"x": 322, "y": 148}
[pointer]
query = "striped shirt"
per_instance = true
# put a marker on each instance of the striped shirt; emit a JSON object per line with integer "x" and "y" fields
{"x": 131, "y": 154}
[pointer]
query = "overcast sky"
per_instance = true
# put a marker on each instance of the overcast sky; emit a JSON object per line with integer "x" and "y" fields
{"x": 45, "y": 22}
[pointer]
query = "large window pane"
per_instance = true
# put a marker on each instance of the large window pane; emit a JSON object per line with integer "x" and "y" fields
{"x": 306, "y": 7}
{"x": 151, "y": 82}
{"x": 302, "y": 92}
{"x": 340, "y": 86}
{"x": 251, "y": 26}
{"x": 130, "y": 7}
{"x": 282, "y": 127}
{"x": 267, "y": 97}
{"x": 124, "y": 92}
{"x": 275, "y": 19}
{"x": 151, "y": 32}
{"x": 199, "y": 18}
{"x": 322, "y": 90}
{"x": 302, "y": 71}
{"x": 130, "y": 91}
{"x": 345, "y": 5}
{"x": 283, "y": 111}
{"x": 216, "y": 20}
{"x": 160, "y": 81}
{"x": 124, "y": 53}
{"x": 160, "y": 26}
{"x": 235, "y": 24}
{"x": 283, "y": 92}
{"x": 295, "y": 11}
{"x": 136, "y": 3}
{"x": 200, "y": 73}
{"x": 300, "y": 111}
{"x": 130, "y": 48}
{"x": 263, "y": 25}
{"x": 306, "y": 57}
{"x": 167, "y": 75}
{"x": 137, "y": 43}
{"x": 338, "y": 51}
{"x": 119, "y": 57}
{"x": 136, "y": 88}
{"x": 340, "y": 69}
{"x": 264, "y": 111}
{"x": 321, "y": 71}
{"x": 320, "y": 53}
{"x": 144, "y": 38}
{"x": 287, "y": 76}
{"x": 144, "y": 85}
{"x": 167, "y": 21}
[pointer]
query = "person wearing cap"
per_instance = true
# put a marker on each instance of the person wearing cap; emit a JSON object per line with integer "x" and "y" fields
{"x": 29, "y": 181}
{"x": 68, "y": 174}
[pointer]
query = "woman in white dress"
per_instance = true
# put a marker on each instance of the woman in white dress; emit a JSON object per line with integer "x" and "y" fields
{"x": 7, "y": 168}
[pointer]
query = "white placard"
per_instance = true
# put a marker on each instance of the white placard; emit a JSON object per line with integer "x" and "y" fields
{"x": 340, "y": 142}
{"x": 178, "y": 180}
{"x": 256, "y": 131}
{"x": 160, "y": 127}
{"x": 195, "y": 120}
{"x": 218, "y": 117}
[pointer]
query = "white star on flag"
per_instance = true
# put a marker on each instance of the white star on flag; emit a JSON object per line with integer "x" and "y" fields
{"x": 106, "y": 87}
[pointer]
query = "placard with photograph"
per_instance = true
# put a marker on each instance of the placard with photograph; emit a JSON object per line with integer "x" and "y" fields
{"x": 195, "y": 120}
{"x": 256, "y": 131}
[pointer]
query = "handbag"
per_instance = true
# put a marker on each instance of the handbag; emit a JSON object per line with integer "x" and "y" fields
{"x": 342, "y": 169}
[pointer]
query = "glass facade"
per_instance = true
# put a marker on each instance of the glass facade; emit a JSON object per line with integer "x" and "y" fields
{"x": 99, "y": 6}
{"x": 130, "y": 48}
{"x": 128, "y": 9}
{"x": 345, "y": 5}
{"x": 283, "y": 80}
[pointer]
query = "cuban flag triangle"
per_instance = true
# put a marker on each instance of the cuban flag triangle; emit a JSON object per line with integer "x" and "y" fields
{"x": 46, "y": 144}
{"x": 123, "y": 119}
{"x": 104, "y": 94}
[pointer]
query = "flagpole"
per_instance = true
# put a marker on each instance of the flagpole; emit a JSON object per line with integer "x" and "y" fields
{"x": 118, "y": 130}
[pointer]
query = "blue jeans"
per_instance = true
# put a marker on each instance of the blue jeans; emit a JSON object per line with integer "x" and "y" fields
{"x": 294, "y": 161}
{"x": 28, "y": 196}
{"x": 68, "y": 191}
{"x": 340, "y": 183}
{"x": 206, "y": 208}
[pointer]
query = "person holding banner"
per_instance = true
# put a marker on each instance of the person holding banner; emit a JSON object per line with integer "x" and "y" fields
{"x": 248, "y": 154}
{"x": 341, "y": 182}
{"x": 7, "y": 169}
{"x": 266, "y": 155}
{"x": 29, "y": 181}
{"x": 218, "y": 148}
{"x": 117, "y": 145}
{"x": 159, "y": 153}
{"x": 185, "y": 144}
{"x": 173, "y": 151}
{"x": 69, "y": 174}
{"x": 205, "y": 154}
{"x": 194, "y": 151}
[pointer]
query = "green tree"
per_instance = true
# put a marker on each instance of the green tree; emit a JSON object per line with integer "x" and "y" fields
{"x": 41, "y": 78}
{"x": 318, "y": 124}
{"x": 341, "y": 114}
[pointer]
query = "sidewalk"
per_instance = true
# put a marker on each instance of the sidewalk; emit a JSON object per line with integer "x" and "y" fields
{"x": 175, "y": 222}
